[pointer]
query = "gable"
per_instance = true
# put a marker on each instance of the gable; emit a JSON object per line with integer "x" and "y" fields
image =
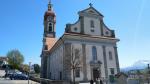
{"x": 90, "y": 22}
{"x": 90, "y": 11}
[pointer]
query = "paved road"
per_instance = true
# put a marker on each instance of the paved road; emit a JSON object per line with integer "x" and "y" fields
{"x": 8, "y": 81}
{"x": 17, "y": 82}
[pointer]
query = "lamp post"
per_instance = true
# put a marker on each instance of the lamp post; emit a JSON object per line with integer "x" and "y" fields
{"x": 29, "y": 72}
{"x": 13, "y": 61}
{"x": 148, "y": 73}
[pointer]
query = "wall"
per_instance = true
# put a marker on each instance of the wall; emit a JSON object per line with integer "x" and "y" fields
{"x": 88, "y": 48}
{"x": 87, "y": 26}
{"x": 111, "y": 63}
{"x": 55, "y": 63}
{"x": 77, "y": 26}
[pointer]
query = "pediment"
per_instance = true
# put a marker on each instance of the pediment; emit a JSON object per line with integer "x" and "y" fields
{"x": 91, "y": 11}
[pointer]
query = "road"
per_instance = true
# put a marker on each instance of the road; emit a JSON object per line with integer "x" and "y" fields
{"x": 17, "y": 82}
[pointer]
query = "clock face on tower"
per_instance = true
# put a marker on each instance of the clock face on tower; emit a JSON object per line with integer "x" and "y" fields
{"x": 50, "y": 18}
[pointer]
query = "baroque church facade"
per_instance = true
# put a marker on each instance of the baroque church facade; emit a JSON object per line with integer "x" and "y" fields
{"x": 87, "y": 49}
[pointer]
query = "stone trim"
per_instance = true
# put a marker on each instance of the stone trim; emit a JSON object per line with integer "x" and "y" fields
{"x": 91, "y": 15}
{"x": 105, "y": 61}
{"x": 82, "y": 24}
{"x": 117, "y": 60}
{"x": 67, "y": 62}
{"x": 84, "y": 11}
{"x": 68, "y": 28}
{"x": 84, "y": 62}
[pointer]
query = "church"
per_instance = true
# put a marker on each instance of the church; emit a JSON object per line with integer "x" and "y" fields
{"x": 86, "y": 51}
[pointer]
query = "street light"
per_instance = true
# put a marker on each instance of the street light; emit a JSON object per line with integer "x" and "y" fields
{"x": 148, "y": 72}
{"x": 29, "y": 72}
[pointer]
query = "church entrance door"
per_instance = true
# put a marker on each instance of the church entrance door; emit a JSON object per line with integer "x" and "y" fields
{"x": 96, "y": 74}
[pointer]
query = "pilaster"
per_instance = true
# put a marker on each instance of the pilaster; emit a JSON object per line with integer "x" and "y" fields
{"x": 67, "y": 62}
{"x": 105, "y": 61}
{"x": 82, "y": 24}
{"x": 117, "y": 60}
{"x": 84, "y": 62}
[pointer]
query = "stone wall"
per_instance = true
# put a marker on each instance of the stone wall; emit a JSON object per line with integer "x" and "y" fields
{"x": 48, "y": 81}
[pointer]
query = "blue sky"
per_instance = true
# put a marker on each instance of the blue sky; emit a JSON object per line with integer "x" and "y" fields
{"x": 21, "y": 25}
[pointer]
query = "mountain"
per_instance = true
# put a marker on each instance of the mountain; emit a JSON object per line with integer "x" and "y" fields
{"x": 141, "y": 64}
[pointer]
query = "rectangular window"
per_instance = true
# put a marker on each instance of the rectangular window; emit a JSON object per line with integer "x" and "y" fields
{"x": 112, "y": 71}
{"x": 94, "y": 53}
{"x": 110, "y": 55}
{"x": 92, "y": 23}
{"x": 77, "y": 72}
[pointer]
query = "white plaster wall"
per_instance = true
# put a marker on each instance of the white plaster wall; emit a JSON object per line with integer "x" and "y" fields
{"x": 87, "y": 26}
{"x": 105, "y": 29}
{"x": 56, "y": 59}
{"x": 111, "y": 63}
{"x": 56, "y": 63}
{"x": 76, "y": 25}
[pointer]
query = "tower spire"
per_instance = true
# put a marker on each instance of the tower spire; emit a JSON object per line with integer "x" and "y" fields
{"x": 49, "y": 5}
{"x": 49, "y": 22}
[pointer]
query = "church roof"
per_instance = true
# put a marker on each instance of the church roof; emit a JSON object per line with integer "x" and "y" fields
{"x": 51, "y": 42}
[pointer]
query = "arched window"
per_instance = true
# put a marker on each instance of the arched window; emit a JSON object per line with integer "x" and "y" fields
{"x": 50, "y": 27}
{"x": 92, "y": 23}
{"x": 46, "y": 47}
{"x": 94, "y": 53}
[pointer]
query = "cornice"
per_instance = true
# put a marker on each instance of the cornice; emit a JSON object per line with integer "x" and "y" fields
{"x": 85, "y": 37}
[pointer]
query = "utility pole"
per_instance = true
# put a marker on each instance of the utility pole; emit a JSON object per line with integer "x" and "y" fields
{"x": 148, "y": 73}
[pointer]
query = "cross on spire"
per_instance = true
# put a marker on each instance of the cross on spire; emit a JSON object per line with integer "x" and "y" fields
{"x": 91, "y": 4}
{"x": 49, "y": 1}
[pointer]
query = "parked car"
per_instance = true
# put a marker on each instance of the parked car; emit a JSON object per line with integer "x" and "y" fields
{"x": 18, "y": 77}
{"x": 10, "y": 72}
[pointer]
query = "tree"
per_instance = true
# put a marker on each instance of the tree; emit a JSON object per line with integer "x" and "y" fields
{"x": 36, "y": 68}
{"x": 24, "y": 68}
{"x": 15, "y": 58}
{"x": 75, "y": 60}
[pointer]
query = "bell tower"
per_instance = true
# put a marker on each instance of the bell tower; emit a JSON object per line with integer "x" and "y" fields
{"x": 49, "y": 28}
{"x": 48, "y": 37}
{"x": 49, "y": 22}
